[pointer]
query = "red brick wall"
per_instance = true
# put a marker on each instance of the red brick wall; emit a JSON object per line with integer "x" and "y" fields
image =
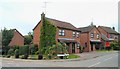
{"x": 36, "y": 34}
{"x": 68, "y": 34}
{"x": 17, "y": 39}
{"x": 85, "y": 37}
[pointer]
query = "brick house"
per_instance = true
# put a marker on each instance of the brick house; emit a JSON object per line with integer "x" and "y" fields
{"x": 90, "y": 38}
{"x": 18, "y": 38}
{"x": 66, "y": 32}
{"x": 108, "y": 35}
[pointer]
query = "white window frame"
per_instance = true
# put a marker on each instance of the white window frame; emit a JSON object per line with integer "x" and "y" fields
{"x": 77, "y": 34}
{"x": 97, "y": 36}
{"x": 92, "y": 35}
{"x": 61, "y": 32}
{"x": 74, "y": 34}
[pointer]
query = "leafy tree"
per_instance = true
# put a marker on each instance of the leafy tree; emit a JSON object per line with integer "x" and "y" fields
{"x": 48, "y": 33}
{"x": 7, "y": 35}
{"x": 28, "y": 38}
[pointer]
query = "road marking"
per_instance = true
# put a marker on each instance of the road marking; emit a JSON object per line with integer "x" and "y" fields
{"x": 94, "y": 64}
{"x": 108, "y": 59}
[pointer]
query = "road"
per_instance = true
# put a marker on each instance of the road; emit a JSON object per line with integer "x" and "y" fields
{"x": 109, "y": 60}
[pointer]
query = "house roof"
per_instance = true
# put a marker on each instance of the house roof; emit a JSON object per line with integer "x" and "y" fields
{"x": 108, "y": 29}
{"x": 61, "y": 24}
{"x": 104, "y": 37}
{"x": 86, "y": 29}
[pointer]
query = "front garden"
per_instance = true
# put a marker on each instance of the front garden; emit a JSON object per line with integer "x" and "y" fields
{"x": 32, "y": 52}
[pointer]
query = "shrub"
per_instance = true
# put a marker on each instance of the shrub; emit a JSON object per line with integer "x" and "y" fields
{"x": 26, "y": 56}
{"x": 37, "y": 52}
{"x": 11, "y": 52}
{"x": 40, "y": 57}
{"x": 24, "y": 50}
{"x": 115, "y": 45}
{"x": 16, "y": 53}
{"x": 15, "y": 47}
{"x": 8, "y": 56}
{"x": 33, "y": 49}
{"x": 81, "y": 49}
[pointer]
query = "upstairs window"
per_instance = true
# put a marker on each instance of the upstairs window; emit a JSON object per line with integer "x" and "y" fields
{"x": 97, "y": 36}
{"x": 74, "y": 34}
{"x": 77, "y": 34}
{"x": 92, "y": 35}
{"x": 61, "y": 32}
{"x": 110, "y": 35}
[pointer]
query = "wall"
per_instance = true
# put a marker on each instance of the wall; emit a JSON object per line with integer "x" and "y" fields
{"x": 17, "y": 39}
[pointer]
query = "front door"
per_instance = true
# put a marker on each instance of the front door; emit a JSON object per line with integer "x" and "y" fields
{"x": 73, "y": 47}
{"x": 91, "y": 47}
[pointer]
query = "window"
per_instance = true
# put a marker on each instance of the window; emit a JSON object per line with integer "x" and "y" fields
{"x": 77, "y": 35}
{"x": 97, "y": 36}
{"x": 78, "y": 45}
{"x": 110, "y": 35}
{"x": 73, "y": 34}
{"x": 92, "y": 35}
{"x": 61, "y": 32}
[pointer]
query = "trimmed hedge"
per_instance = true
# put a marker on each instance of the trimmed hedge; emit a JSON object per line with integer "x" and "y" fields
{"x": 23, "y": 50}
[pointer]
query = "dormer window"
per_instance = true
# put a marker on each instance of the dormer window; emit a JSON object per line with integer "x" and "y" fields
{"x": 61, "y": 32}
{"x": 74, "y": 34}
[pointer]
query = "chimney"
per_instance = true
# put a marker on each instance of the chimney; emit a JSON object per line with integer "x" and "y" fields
{"x": 42, "y": 16}
{"x": 113, "y": 28}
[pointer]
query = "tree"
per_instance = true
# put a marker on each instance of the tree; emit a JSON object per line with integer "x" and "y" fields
{"x": 7, "y": 35}
{"x": 28, "y": 38}
{"x": 48, "y": 33}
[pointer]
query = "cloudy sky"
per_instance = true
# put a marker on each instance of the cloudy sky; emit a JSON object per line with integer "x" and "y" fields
{"x": 25, "y": 14}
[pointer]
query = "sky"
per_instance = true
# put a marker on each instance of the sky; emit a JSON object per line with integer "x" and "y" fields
{"x": 25, "y": 14}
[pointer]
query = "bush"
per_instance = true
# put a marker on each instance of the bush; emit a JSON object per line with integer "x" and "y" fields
{"x": 81, "y": 49}
{"x": 33, "y": 49}
{"x": 15, "y": 47}
{"x": 40, "y": 57}
{"x": 11, "y": 52}
{"x": 23, "y": 50}
{"x": 16, "y": 53}
{"x": 8, "y": 56}
{"x": 115, "y": 45}
{"x": 36, "y": 53}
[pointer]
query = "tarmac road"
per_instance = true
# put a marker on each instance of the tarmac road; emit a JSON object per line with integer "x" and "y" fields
{"x": 107, "y": 60}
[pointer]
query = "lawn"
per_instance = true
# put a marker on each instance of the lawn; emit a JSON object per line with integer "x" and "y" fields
{"x": 35, "y": 57}
{"x": 104, "y": 50}
{"x": 72, "y": 56}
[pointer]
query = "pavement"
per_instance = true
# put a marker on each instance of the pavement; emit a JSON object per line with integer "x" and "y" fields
{"x": 87, "y": 59}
